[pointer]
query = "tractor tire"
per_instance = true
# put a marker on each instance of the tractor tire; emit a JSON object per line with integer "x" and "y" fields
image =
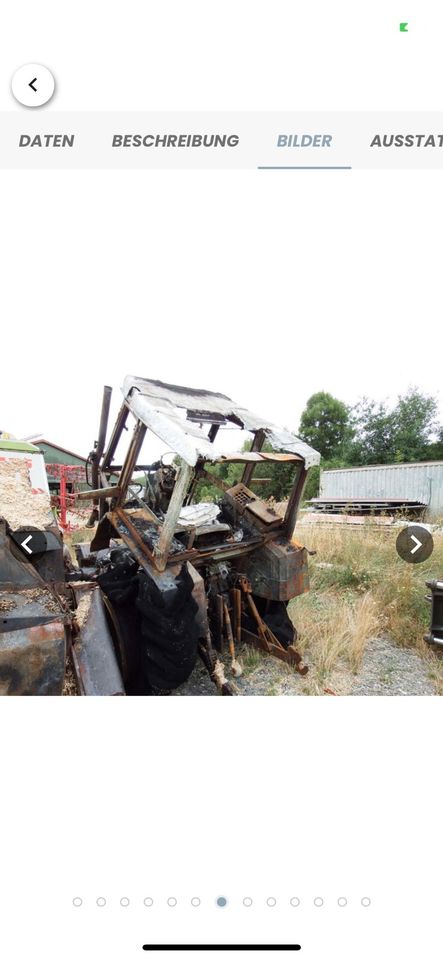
{"x": 169, "y": 633}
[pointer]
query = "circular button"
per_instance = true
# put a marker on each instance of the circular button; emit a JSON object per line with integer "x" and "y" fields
{"x": 33, "y": 85}
{"x": 30, "y": 541}
{"x": 414, "y": 543}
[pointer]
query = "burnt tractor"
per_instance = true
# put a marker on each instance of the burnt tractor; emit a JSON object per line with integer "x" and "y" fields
{"x": 168, "y": 575}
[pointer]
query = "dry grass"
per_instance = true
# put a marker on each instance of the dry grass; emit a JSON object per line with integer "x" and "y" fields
{"x": 360, "y": 588}
{"x": 335, "y": 630}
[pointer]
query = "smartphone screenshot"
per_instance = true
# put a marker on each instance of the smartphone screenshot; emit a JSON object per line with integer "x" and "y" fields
{"x": 221, "y": 480}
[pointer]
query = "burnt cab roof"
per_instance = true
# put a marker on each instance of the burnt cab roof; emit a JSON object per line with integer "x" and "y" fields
{"x": 177, "y": 416}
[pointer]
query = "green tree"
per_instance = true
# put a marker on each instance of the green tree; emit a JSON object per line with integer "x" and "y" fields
{"x": 373, "y": 433}
{"x": 324, "y": 424}
{"x": 434, "y": 450}
{"x": 399, "y": 435}
{"x": 415, "y": 425}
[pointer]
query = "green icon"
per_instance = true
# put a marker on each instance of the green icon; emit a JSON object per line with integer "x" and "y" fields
{"x": 403, "y": 28}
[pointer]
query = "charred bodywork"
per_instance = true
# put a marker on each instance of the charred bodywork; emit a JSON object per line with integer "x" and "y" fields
{"x": 181, "y": 577}
{"x": 32, "y": 617}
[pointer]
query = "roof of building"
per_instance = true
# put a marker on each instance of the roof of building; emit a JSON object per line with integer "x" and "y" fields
{"x": 177, "y": 414}
{"x": 18, "y": 445}
{"x": 385, "y": 466}
{"x": 39, "y": 439}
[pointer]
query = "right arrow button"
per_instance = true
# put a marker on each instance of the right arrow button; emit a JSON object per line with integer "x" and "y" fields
{"x": 414, "y": 543}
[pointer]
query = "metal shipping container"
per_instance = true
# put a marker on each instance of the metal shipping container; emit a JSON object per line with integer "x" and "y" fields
{"x": 412, "y": 481}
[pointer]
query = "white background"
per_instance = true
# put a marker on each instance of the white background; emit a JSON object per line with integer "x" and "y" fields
{"x": 228, "y": 55}
{"x": 245, "y": 797}
{"x": 260, "y": 285}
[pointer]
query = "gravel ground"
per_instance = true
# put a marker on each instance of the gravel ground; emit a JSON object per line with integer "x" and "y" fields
{"x": 266, "y": 677}
{"x": 391, "y": 671}
{"x": 386, "y": 670}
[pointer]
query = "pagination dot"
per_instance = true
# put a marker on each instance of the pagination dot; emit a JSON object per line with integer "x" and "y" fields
{"x": 148, "y": 901}
{"x": 196, "y": 901}
{"x": 124, "y": 902}
{"x": 294, "y": 901}
{"x": 318, "y": 901}
{"x": 247, "y": 902}
{"x": 366, "y": 901}
{"x": 172, "y": 902}
{"x": 101, "y": 902}
{"x": 271, "y": 901}
{"x": 77, "y": 901}
{"x": 222, "y": 901}
{"x": 342, "y": 901}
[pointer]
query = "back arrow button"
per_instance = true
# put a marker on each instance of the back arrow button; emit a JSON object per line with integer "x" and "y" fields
{"x": 33, "y": 85}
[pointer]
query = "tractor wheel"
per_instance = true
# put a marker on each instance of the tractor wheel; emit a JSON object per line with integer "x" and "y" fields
{"x": 169, "y": 633}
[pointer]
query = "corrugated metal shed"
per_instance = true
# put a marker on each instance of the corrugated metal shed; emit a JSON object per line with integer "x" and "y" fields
{"x": 412, "y": 481}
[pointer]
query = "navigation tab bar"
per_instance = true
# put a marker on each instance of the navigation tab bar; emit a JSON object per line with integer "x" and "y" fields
{"x": 260, "y": 141}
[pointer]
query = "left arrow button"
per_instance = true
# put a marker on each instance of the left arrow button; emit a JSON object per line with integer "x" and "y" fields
{"x": 33, "y": 85}
{"x": 25, "y": 544}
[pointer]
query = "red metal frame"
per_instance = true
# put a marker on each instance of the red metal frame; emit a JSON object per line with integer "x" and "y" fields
{"x": 65, "y": 473}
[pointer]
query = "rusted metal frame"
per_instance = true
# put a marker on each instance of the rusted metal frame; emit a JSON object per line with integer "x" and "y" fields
{"x": 257, "y": 444}
{"x": 229, "y": 633}
{"x": 288, "y": 655}
{"x": 221, "y": 621}
{"x": 216, "y": 481}
{"x": 265, "y": 633}
{"x": 119, "y": 426}
{"x": 191, "y": 491}
{"x": 294, "y": 501}
{"x": 191, "y": 537}
{"x": 116, "y": 468}
{"x": 124, "y": 517}
{"x": 203, "y": 474}
{"x": 236, "y": 605}
{"x": 212, "y": 664}
{"x": 98, "y": 452}
{"x": 131, "y": 537}
{"x": 225, "y": 551}
{"x": 266, "y": 641}
{"x": 258, "y": 456}
{"x": 99, "y": 494}
{"x": 213, "y": 431}
{"x": 266, "y": 637}
{"x": 183, "y": 478}
{"x": 130, "y": 461}
{"x": 134, "y": 541}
